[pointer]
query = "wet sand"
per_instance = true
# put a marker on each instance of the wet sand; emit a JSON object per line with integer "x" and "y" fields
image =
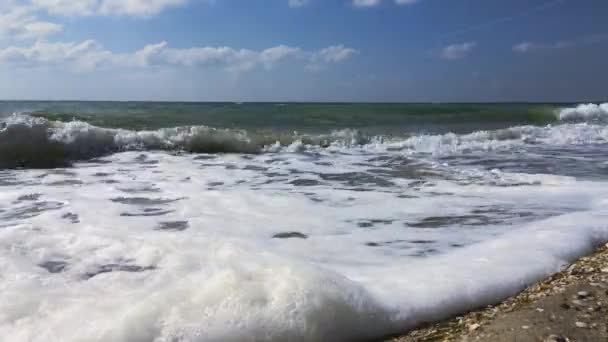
{"x": 569, "y": 306}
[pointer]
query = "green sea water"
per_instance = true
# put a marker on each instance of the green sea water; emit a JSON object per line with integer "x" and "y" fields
{"x": 387, "y": 118}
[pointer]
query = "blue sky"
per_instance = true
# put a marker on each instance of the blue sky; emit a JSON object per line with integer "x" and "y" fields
{"x": 304, "y": 50}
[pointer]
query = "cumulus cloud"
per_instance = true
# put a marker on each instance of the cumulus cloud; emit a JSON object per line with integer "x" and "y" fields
{"x": 90, "y": 55}
{"x": 18, "y": 22}
{"x": 457, "y": 51}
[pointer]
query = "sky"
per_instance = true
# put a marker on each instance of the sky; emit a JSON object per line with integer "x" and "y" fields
{"x": 304, "y": 50}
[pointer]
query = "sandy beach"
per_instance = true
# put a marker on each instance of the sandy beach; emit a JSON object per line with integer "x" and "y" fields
{"x": 569, "y": 306}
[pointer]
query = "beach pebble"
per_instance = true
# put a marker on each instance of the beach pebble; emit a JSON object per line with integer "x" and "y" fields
{"x": 474, "y": 327}
{"x": 581, "y": 325}
{"x": 583, "y": 294}
{"x": 540, "y": 309}
{"x": 578, "y": 302}
{"x": 556, "y": 338}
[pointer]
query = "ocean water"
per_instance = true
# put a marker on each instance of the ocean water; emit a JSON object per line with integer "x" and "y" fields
{"x": 285, "y": 222}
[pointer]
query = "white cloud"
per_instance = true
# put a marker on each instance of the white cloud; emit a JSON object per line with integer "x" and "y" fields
{"x": 366, "y": 3}
{"x": 371, "y": 3}
{"x": 332, "y": 54}
{"x": 526, "y": 47}
{"x": 90, "y": 55}
{"x": 142, "y": 8}
{"x": 523, "y": 47}
{"x": 457, "y": 51}
{"x": 298, "y": 3}
{"x": 18, "y": 22}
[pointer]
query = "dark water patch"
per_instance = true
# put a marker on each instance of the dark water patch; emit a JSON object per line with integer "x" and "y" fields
{"x": 61, "y": 172}
{"x": 293, "y": 171}
{"x": 143, "y": 201}
{"x": 205, "y": 157}
{"x": 174, "y": 226}
{"x": 382, "y": 159}
{"x": 314, "y": 197}
{"x": 110, "y": 181}
{"x": 109, "y": 268}
{"x": 373, "y": 223}
{"x": 255, "y": 168}
{"x": 215, "y": 184}
{"x": 500, "y": 211}
{"x": 279, "y": 161}
{"x": 145, "y": 160}
{"x": 457, "y": 245}
{"x": 73, "y": 218}
{"x": 141, "y": 189}
{"x": 67, "y": 182}
{"x": 357, "y": 179}
{"x": 54, "y": 266}
{"x": 423, "y": 253}
{"x": 99, "y": 161}
{"x": 421, "y": 242}
{"x": 400, "y": 244}
{"x": 290, "y": 235}
{"x": 419, "y": 184}
{"x": 102, "y": 174}
{"x": 365, "y": 189}
{"x": 149, "y": 212}
{"x": 275, "y": 180}
{"x": 404, "y": 196}
{"x": 508, "y": 184}
{"x": 407, "y": 172}
{"x": 323, "y": 163}
{"x": 437, "y": 193}
{"x": 275, "y": 174}
{"x": 31, "y": 210}
{"x": 29, "y": 197}
{"x": 444, "y": 221}
{"x": 305, "y": 182}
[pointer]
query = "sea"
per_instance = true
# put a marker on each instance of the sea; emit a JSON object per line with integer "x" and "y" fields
{"x": 141, "y": 221}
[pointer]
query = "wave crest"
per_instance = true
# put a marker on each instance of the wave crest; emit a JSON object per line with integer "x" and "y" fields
{"x": 34, "y": 142}
{"x": 589, "y": 112}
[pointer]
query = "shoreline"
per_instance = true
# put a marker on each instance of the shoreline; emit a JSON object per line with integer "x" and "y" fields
{"x": 571, "y": 305}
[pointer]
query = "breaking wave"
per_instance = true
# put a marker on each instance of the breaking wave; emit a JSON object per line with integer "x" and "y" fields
{"x": 27, "y": 141}
{"x": 585, "y": 112}
{"x": 36, "y": 142}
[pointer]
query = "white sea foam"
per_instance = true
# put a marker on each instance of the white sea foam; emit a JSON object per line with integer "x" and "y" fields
{"x": 104, "y": 275}
{"x": 585, "y": 112}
